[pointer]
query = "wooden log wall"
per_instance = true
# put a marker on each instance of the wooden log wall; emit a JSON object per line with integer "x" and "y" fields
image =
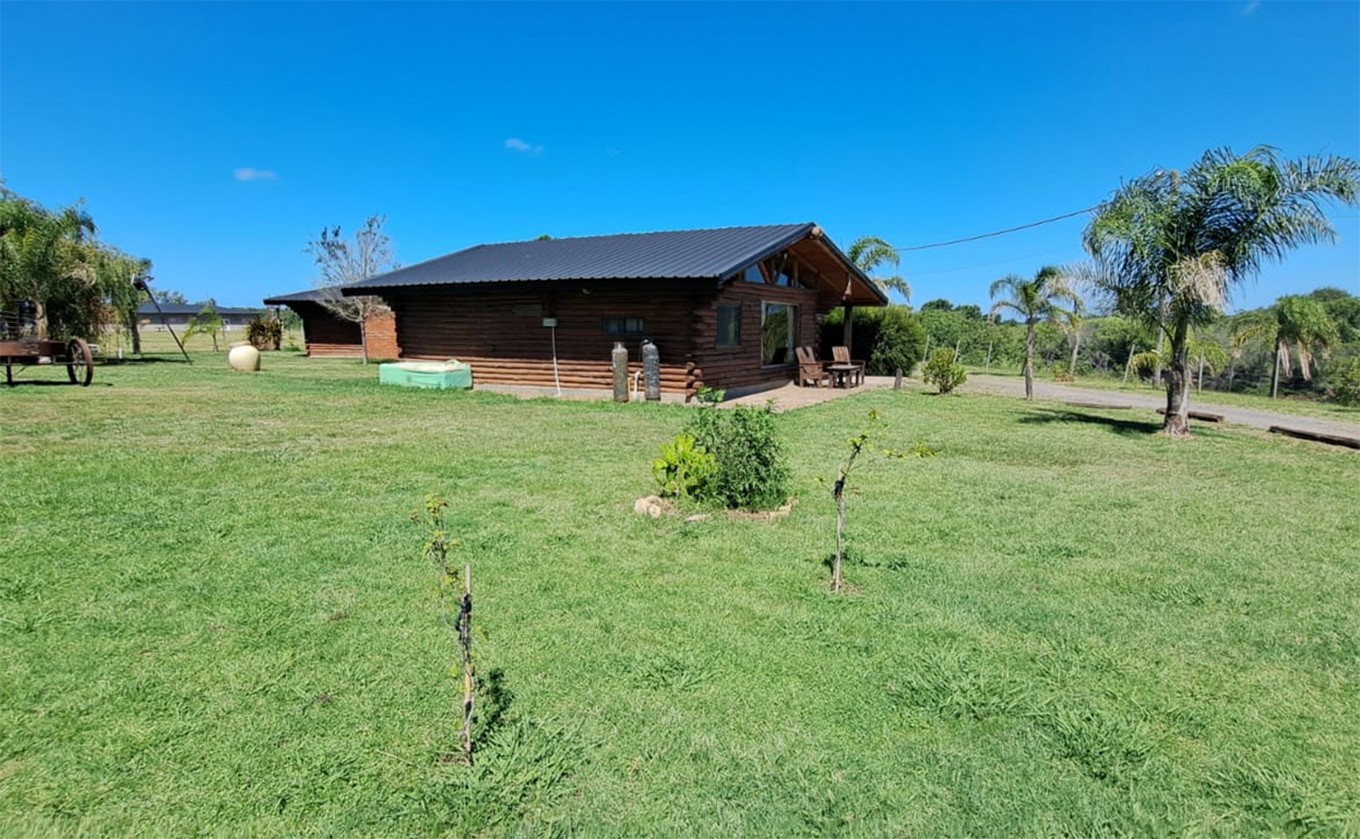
{"x": 325, "y": 335}
{"x": 729, "y": 368}
{"x": 500, "y": 331}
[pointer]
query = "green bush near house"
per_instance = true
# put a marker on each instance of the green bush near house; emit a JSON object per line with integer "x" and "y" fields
{"x": 944, "y": 371}
{"x": 749, "y": 466}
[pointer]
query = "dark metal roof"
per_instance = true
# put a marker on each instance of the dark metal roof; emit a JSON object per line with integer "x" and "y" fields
{"x": 680, "y": 254}
{"x": 312, "y": 295}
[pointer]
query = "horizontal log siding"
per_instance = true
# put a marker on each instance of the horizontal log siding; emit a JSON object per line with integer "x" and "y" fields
{"x": 482, "y": 329}
{"x": 326, "y": 335}
{"x": 740, "y": 367}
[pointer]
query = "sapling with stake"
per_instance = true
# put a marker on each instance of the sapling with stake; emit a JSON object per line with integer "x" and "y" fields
{"x": 438, "y": 545}
{"x": 864, "y": 443}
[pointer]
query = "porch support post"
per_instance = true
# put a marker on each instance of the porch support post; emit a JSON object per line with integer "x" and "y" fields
{"x": 849, "y": 324}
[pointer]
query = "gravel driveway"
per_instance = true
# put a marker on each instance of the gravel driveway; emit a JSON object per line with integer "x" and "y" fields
{"x": 1012, "y": 386}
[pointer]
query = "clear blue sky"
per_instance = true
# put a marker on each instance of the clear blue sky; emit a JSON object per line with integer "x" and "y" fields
{"x": 216, "y": 138}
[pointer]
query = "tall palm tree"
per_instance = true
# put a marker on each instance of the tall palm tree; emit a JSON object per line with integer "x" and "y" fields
{"x": 1299, "y": 327}
{"x": 1171, "y": 246}
{"x": 869, "y": 253}
{"x": 1036, "y": 300}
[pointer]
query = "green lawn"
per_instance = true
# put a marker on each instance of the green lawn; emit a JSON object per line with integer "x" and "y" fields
{"x": 214, "y": 619}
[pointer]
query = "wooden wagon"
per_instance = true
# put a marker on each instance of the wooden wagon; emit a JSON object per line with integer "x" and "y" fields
{"x": 73, "y": 354}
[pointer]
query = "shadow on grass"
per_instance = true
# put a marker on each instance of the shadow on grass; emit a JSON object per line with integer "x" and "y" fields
{"x": 1118, "y": 426}
{"x": 48, "y": 383}
{"x": 145, "y": 359}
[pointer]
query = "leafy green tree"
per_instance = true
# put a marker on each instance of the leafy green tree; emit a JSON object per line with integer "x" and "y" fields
{"x": 123, "y": 277}
{"x": 1170, "y": 246}
{"x": 1036, "y": 300}
{"x": 1299, "y": 327}
{"x": 871, "y": 253}
{"x": 900, "y": 344}
{"x": 1344, "y": 309}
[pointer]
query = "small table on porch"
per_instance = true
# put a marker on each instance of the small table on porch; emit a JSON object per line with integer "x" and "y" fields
{"x": 843, "y": 374}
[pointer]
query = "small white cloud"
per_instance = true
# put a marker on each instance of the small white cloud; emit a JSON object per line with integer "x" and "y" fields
{"x": 249, "y": 173}
{"x": 516, "y": 144}
{"x": 1251, "y": 7}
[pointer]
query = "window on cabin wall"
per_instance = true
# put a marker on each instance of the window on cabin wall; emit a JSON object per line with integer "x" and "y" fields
{"x": 778, "y": 332}
{"x": 624, "y": 326}
{"x": 729, "y": 326}
{"x": 752, "y": 275}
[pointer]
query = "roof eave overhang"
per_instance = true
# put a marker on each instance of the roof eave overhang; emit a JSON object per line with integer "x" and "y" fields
{"x": 810, "y": 230}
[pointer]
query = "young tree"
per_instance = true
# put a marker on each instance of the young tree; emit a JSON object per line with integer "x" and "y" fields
{"x": 869, "y": 253}
{"x": 340, "y": 262}
{"x": 206, "y": 322}
{"x": 1171, "y": 246}
{"x": 1036, "y": 300}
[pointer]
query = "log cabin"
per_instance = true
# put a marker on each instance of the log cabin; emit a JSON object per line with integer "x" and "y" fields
{"x": 726, "y": 307}
{"x": 326, "y": 335}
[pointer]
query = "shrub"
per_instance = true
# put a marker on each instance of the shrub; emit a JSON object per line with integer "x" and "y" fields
{"x": 943, "y": 371}
{"x": 749, "y": 469}
{"x": 899, "y": 344}
{"x": 889, "y": 337}
{"x": 264, "y": 333}
{"x": 684, "y": 469}
{"x": 1343, "y": 381}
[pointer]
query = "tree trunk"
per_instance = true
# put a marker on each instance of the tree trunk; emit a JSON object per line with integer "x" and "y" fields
{"x": 1029, "y": 360}
{"x": 847, "y": 332}
{"x": 1177, "y": 422}
{"x": 1199, "y": 384}
{"x": 1076, "y": 348}
{"x": 1275, "y": 374}
{"x": 1128, "y": 362}
{"x": 363, "y": 338}
{"x": 135, "y": 333}
{"x": 40, "y": 317}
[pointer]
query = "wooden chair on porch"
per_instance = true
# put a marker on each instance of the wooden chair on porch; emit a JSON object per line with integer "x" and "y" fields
{"x": 811, "y": 371}
{"x": 842, "y": 357}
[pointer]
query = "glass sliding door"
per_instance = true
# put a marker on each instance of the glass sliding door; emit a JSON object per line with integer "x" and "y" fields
{"x": 778, "y": 332}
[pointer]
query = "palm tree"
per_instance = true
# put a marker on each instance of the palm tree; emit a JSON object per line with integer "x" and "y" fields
{"x": 43, "y": 257}
{"x": 1036, "y": 300}
{"x": 1171, "y": 246}
{"x": 1299, "y": 327}
{"x": 871, "y": 252}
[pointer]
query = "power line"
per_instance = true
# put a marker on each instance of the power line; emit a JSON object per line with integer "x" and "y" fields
{"x": 996, "y": 232}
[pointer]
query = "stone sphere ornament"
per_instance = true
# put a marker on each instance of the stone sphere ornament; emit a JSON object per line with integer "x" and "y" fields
{"x": 245, "y": 358}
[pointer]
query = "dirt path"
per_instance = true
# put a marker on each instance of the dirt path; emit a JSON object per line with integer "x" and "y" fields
{"x": 1011, "y": 386}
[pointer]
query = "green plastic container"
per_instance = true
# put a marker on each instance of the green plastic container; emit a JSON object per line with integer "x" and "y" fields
{"x": 434, "y": 374}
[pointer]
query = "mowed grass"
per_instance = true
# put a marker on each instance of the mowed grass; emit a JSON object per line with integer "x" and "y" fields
{"x": 214, "y": 619}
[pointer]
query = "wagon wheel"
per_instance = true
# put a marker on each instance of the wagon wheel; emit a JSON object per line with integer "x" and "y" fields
{"x": 78, "y": 355}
